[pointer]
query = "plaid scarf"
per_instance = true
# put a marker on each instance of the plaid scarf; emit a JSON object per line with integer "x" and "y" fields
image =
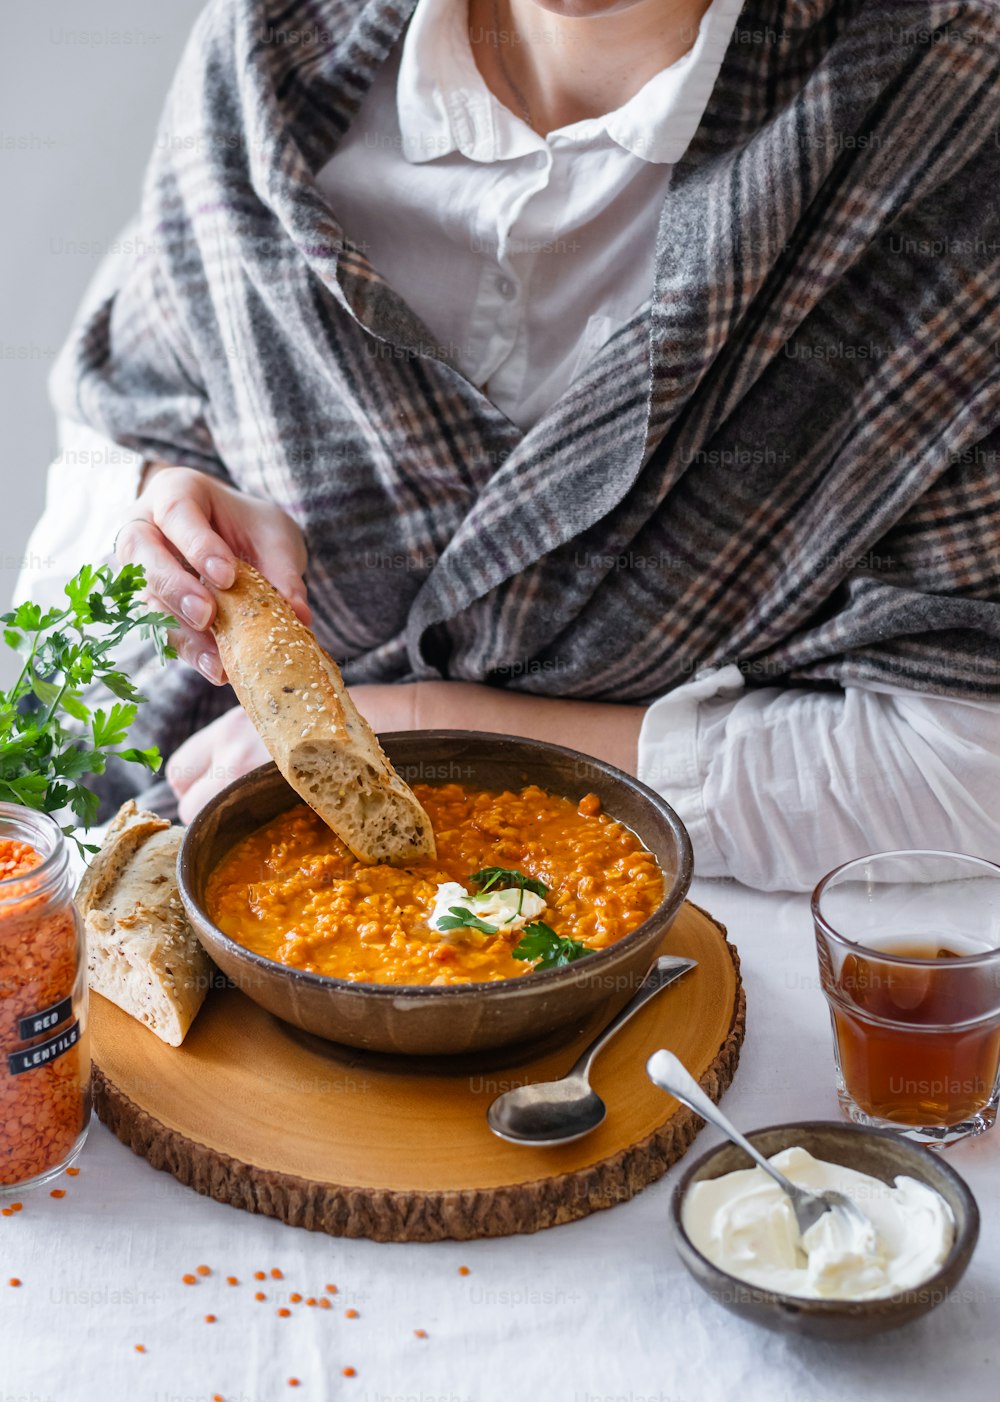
{"x": 787, "y": 458}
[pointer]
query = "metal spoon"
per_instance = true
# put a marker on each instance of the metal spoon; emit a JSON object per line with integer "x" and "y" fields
{"x": 672, "y": 1076}
{"x": 555, "y": 1112}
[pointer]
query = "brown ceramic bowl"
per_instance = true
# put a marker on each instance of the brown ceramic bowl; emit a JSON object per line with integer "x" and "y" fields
{"x": 422, "y": 1019}
{"x": 884, "y": 1155}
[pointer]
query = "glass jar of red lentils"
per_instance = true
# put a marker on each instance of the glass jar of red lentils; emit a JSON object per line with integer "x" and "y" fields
{"x": 44, "y": 1051}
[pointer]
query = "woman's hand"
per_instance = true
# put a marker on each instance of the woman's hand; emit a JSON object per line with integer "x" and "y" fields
{"x": 212, "y": 758}
{"x": 185, "y": 524}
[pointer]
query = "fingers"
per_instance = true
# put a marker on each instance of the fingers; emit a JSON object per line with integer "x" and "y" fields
{"x": 188, "y": 525}
{"x": 212, "y": 758}
{"x": 279, "y": 553}
{"x": 177, "y": 591}
{"x": 183, "y": 516}
{"x": 189, "y": 761}
{"x": 199, "y": 650}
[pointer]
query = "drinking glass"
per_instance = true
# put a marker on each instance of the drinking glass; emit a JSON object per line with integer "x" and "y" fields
{"x": 909, "y": 958}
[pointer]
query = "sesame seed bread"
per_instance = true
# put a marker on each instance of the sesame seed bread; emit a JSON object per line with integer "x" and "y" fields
{"x": 141, "y": 952}
{"x": 295, "y": 696}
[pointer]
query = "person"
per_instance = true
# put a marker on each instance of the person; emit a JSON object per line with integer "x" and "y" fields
{"x": 617, "y": 372}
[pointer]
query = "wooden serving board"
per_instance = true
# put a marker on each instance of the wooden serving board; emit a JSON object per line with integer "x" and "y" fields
{"x": 256, "y": 1114}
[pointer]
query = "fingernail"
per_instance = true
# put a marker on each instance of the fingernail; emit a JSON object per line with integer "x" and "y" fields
{"x": 210, "y": 667}
{"x": 221, "y": 572}
{"x": 196, "y": 610}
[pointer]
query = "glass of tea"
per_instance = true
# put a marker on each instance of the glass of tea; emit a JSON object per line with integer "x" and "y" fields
{"x": 909, "y": 959}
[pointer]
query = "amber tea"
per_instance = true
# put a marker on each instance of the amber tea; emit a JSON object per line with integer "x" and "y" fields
{"x": 917, "y": 1043}
{"x": 910, "y": 965}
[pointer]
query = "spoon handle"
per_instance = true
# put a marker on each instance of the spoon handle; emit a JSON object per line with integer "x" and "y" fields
{"x": 667, "y": 969}
{"x": 672, "y": 1075}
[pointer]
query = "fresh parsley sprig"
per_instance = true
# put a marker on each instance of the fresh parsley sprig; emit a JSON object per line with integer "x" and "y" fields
{"x": 551, "y": 951}
{"x": 63, "y": 650}
{"x": 506, "y": 876}
{"x": 459, "y": 919}
{"x": 489, "y": 877}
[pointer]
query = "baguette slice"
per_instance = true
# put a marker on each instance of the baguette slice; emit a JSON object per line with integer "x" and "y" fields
{"x": 141, "y": 952}
{"x": 295, "y": 696}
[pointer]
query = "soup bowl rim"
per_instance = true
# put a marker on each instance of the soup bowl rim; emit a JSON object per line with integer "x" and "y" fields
{"x": 675, "y": 885}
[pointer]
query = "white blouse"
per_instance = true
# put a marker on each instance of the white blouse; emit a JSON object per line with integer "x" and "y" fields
{"x": 507, "y": 246}
{"x": 521, "y": 254}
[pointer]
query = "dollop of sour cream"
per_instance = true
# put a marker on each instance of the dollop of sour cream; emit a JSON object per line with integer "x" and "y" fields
{"x": 498, "y": 907}
{"x": 744, "y": 1223}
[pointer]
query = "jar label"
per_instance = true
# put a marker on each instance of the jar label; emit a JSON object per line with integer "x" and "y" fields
{"x": 44, "y": 1052}
{"x": 44, "y": 1021}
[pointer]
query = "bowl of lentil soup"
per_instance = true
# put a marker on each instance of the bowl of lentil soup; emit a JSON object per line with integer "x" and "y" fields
{"x": 349, "y": 952}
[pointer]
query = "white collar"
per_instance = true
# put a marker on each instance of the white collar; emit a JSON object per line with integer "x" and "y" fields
{"x": 444, "y": 105}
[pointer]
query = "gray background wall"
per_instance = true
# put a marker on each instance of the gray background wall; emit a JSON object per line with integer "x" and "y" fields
{"x": 82, "y": 83}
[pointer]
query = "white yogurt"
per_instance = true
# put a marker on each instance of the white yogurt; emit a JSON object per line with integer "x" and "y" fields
{"x": 495, "y": 907}
{"x": 745, "y": 1225}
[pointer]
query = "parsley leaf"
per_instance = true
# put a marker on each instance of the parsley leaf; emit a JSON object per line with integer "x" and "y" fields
{"x": 461, "y": 919}
{"x": 506, "y": 876}
{"x": 550, "y": 951}
{"x": 42, "y": 758}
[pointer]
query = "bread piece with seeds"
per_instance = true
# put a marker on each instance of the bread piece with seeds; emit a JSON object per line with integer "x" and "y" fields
{"x": 141, "y": 952}
{"x": 296, "y": 698}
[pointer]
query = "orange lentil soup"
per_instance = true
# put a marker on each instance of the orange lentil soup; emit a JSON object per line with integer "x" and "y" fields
{"x": 292, "y": 891}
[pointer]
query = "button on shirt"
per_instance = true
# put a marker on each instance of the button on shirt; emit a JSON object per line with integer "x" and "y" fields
{"x": 521, "y": 254}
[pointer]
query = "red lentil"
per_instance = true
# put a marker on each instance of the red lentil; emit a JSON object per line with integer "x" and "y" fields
{"x": 293, "y": 1382}
{"x": 14, "y": 1281}
{"x": 43, "y": 1109}
{"x": 260, "y": 1295}
{"x": 463, "y": 1270}
{"x": 140, "y": 1348}
{"x": 350, "y": 1372}
{"x": 324, "y": 1304}
{"x": 315, "y": 907}
{"x": 283, "y": 1313}
{"x": 330, "y": 1289}
{"x": 72, "y": 1172}
{"x": 350, "y": 1314}
{"x": 16, "y": 1206}
{"x": 260, "y": 1275}
{"x": 209, "y": 1318}
{"x": 189, "y": 1279}
{"x": 276, "y": 1274}
{"x": 232, "y": 1280}
{"x": 295, "y": 1299}
{"x": 420, "y": 1333}
{"x": 57, "y": 1193}
{"x": 203, "y": 1270}
{"x": 311, "y": 1300}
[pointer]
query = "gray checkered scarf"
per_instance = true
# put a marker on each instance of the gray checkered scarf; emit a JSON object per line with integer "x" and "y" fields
{"x": 787, "y": 458}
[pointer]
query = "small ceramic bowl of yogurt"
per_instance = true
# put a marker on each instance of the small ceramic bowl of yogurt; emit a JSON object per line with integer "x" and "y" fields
{"x": 736, "y": 1233}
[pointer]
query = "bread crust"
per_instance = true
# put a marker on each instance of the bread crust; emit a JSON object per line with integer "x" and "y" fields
{"x": 141, "y": 952}
{"x": 295, "y": 697}
{"x": 126, "y": 833}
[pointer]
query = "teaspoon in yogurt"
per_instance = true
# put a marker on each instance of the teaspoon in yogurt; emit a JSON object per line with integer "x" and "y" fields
{"x": 664, "y": 1069}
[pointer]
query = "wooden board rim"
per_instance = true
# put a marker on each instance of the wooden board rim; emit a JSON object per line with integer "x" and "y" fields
{"x": 420, "y": 1215}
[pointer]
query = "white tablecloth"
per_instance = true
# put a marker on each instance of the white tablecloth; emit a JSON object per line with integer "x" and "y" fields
{"x": 596, "y": 1311}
